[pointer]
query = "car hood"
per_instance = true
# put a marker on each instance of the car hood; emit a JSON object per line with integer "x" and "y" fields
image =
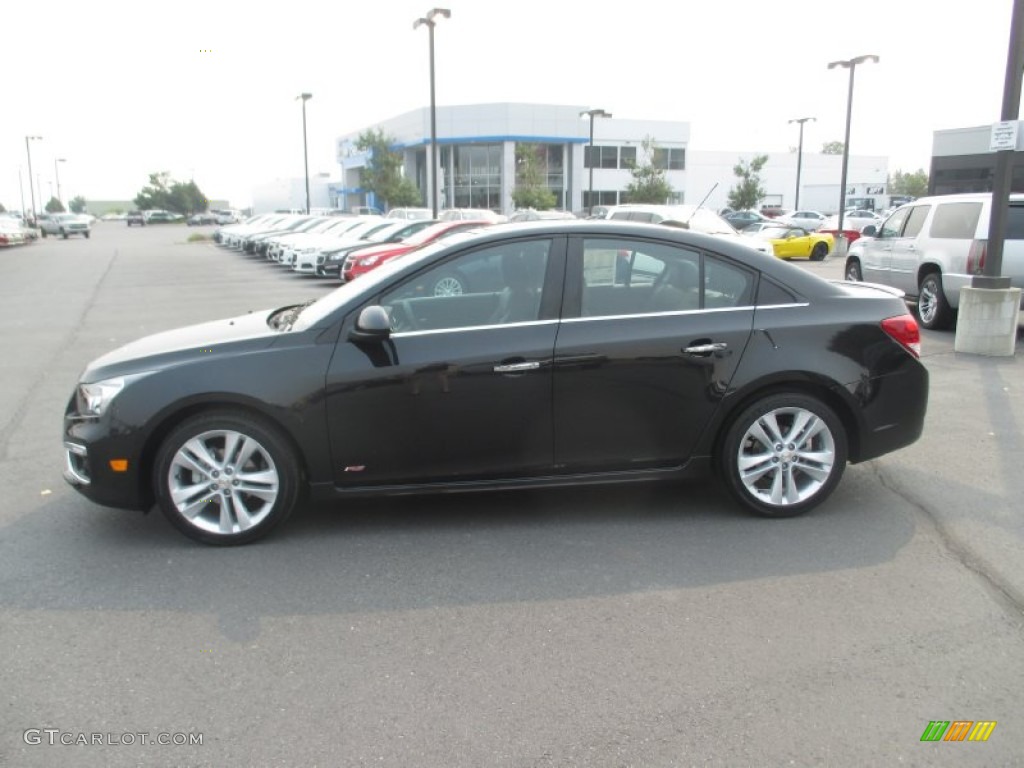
{"x": 162, "y": 350}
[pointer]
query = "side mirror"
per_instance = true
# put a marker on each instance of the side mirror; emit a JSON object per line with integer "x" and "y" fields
{"x": 869, "y": 231}
{"x": 373, "y": 324}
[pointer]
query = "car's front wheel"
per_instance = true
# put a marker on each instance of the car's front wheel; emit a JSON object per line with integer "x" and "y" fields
{"x": 64, "y": 234}
{"x": 932, "y": 307}
{"x": 226, "y": 477}
{"x": 784, "y": 454}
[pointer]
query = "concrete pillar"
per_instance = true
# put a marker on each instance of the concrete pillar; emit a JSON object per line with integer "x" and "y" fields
{"x": 987, "y": 321}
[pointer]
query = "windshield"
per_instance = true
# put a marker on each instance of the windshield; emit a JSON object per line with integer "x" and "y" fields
{"x": 770, "y": 233}
{"x": 370, "y": 282}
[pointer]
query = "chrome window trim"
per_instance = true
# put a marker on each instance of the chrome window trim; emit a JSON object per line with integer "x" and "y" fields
{"x": 492, "y": 326}
{"x": 745, "y": 307}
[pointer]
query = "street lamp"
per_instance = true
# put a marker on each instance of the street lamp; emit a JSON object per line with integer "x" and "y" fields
{"x": 31, "y": 189}
{"x": 305, "y": 150}
{"x": 592, "y": 113}
{"x": 432, "y": 14}
{"x": 56, "y": 174}
{"x": 850, "y": 64}
{"x": 800, "y": 156}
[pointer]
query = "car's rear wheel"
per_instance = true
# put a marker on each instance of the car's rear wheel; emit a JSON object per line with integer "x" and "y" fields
{"x": 226, "y": 477}
{"x": 44, "y": 234}
{"x": 853, "y": 271}
{"x": 449, "y": 285}
{"x": 64, "y": 234}
{"x": 932, "y": 307}
{"x": 784, "y": 454}
{"x": 86, "y": 235}
{"x": 819, "y": 252}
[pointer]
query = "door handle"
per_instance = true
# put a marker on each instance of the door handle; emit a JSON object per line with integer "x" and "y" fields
{"x": 706, "y": 349}
{"x": 516, "y": 367}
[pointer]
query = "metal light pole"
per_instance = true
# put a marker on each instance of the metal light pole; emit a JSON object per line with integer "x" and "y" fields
{"x": 31, "y": 189}
{"x": 592, "y": 113}
{"x": 850, "y": 64}
{"x": 21, "y": 191}
{"x": 305, "y": 150}
{"x": 800, "y": 157}
{"x": 432, "y": 14}
{"x": 991, "y": 276}
{"x": 56, "y": 174}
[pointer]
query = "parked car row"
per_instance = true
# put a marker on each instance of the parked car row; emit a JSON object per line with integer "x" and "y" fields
{"x": 14, "y": 232}
{"x": 338, "y": 247}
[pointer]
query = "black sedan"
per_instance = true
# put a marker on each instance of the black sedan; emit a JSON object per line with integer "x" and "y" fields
{"x": 519, "y": 356}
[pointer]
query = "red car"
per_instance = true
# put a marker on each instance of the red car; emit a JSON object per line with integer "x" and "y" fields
{"x": 362, "y": 261}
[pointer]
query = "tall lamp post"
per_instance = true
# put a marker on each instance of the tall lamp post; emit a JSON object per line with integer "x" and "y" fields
{"x": 850, "y": 64}
{"x": 432, "y": 14}
{"x": 592, "y": 113}
{"x": 800, "y": 156}
{"x": 305, "y": 150}
{"x": 31, "y": 189}
{"x": 56, "y": 174}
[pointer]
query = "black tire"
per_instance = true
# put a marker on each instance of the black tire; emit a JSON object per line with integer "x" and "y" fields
{"x": 218, "y": 505}
{"x": 43, "y": 232}
{"x": 819, "y": 252}
{"x": 64, "y": 234}
{"x": 932, "y": 308}
{"x": 86, "y": 235}
{"x": 788, "y": 482}
{"x": 853, "y": 271}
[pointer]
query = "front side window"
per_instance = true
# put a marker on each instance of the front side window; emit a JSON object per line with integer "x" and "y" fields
{"x": 496, "y": 285}
{"x": 894, "y": 224}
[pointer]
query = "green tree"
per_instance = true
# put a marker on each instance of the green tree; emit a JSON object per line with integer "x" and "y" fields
{"x": 77, "y": 204}
{"x": 650, "y": 183}
{"x": 531, "y": 190}
{"x": 382, "y": 173}
{"x": 832, "y": 148}
{"x": 915, "y": 183}
{"x": 54, "y": 206}
{"x": 748, "y": 191}
{"x": 164, "y": 193}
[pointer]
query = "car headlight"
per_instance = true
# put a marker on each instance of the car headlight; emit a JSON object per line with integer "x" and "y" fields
{"x": 95, "y": 398}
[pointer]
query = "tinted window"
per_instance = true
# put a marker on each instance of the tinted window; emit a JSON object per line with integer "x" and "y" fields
{"x": 625, "y": 277}
{"x": 893, "y": 225}
{"x": 769, "y": 293}
{"x": 490, "y": 286}
{"x": 1015, "y": 223}
{"x": 956, "y": 221}
{"x": 916, "y": 220}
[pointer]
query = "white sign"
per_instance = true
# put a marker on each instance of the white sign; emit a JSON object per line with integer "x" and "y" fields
{"x": 1004, "y": 136}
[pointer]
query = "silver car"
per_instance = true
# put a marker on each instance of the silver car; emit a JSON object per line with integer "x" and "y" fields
{"x": 65, "y": 225}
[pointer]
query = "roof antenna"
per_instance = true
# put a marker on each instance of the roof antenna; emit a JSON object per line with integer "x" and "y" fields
{"x": 701, "y": 204}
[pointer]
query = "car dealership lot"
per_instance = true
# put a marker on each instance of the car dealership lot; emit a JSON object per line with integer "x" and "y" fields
{"x": 618, "y": 626}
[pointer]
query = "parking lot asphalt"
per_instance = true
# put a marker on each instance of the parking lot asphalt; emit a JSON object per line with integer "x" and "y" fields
{"x": 613, "y": 627}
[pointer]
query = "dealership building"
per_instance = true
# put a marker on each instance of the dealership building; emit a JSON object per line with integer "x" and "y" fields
{"x": 962, "y": 161}
{"x": 477, "y": 146}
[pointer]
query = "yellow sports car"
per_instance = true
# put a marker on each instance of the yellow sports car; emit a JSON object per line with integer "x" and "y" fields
{"x": 793, "y": 242}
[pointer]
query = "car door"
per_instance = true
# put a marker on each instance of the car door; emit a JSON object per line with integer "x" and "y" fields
{"x": 462, "y": 388}
{"x": 905, "y": 257}
{"x": 650, "y": 338}
{"x": 791, "y": 244}
{"x": 876, "y": 254}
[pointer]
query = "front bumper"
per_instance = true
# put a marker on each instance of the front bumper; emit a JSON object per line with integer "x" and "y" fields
{"x": 88, "y": 452}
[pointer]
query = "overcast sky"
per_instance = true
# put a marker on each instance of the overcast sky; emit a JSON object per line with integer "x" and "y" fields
{"x": 207, "y": 90}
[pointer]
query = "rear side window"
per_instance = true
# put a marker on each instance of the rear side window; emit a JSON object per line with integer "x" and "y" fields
{"x": 1015, "y": 223}
{"x": 956, "y": 221}
{"x": 915, "y": 221}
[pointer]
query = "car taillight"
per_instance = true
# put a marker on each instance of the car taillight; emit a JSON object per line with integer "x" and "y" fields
{"x": 904, "y": 330}
{"x": 976, "y": 257}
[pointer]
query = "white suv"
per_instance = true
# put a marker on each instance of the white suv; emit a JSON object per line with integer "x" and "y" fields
{"x": 690, "y": 217}
{"x": 932, "y": 247}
